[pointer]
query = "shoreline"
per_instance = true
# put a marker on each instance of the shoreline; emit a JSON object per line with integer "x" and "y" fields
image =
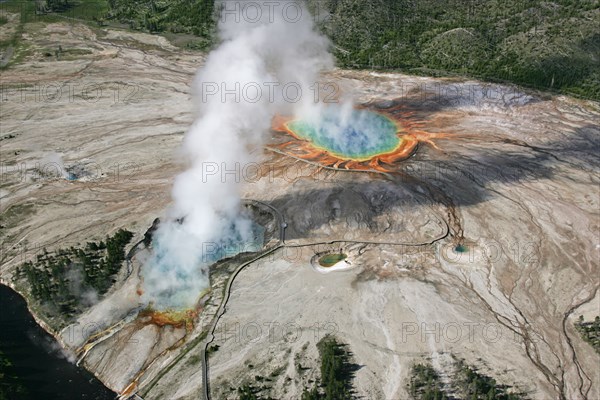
{"x": 56, "y": 336}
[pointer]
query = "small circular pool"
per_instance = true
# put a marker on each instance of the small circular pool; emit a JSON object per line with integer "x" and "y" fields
{"x": 329, "y": 260}
{"x": 356, "y": 135}
{"x": 461, "y": 248}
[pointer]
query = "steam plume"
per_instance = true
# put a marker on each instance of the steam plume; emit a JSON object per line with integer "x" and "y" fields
{"x": 266, "y": 50}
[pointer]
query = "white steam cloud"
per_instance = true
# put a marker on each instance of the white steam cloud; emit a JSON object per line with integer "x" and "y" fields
{"x": 52, "y": 164}
{"x": 267, "y": 63}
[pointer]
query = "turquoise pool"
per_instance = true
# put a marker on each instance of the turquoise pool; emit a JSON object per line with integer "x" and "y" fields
{"x": 362, "y": 135}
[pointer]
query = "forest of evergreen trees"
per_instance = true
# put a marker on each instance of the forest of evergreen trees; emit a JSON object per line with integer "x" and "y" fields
{"x": 176, "y": 16}
{"x": 66, "y": 282}
{"x": 466, "y": 383}
{"x": 546, "y": 45}
{"x": 590, "y": 331}
{"x": 337, "y": 372}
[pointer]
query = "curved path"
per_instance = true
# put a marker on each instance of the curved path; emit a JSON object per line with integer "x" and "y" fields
{"x": 210, "y": 337}
{"x": 222, "y": 307}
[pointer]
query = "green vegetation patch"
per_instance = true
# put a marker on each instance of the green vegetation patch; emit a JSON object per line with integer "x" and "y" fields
{"x": 472, "y": 384}
{"x": 43, "y": 12}
{"x": 337, "y": 372}
{"x": 464, "y": 383}
{"x": 65, "y": 283}
{"x": 547, "y": 45}
{"x": 248, "y": 392}
{"x": 589, "y": 331}
{"x": 176, "y": 16}
{"x": 92, "y": 10}
{"x": 552, "y": 46}
{"x": 425, "y": 383}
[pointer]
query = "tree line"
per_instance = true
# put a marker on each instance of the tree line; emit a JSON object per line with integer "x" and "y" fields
{"x": 464, "y": 383}
{"x": 67, "y": 281}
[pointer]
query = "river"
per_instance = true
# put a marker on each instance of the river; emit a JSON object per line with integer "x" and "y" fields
{"x": 38, "y": 367}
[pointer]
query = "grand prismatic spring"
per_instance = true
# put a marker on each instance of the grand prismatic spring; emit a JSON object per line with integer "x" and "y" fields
{"x": 366, "y": 138}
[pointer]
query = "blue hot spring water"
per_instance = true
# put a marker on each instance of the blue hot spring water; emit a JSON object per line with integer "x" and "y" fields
{"x": 362, "y": 136}
{"x": 187, "y": 283}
